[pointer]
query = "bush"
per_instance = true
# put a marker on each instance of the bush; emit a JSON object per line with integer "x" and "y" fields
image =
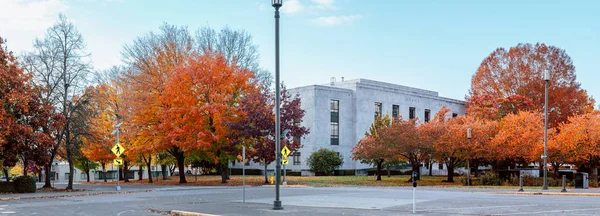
{"x": 7, "y": 187}
{"x": 489, "y": 178}
{"x": 324, "y": 161}
{"x": 24, "y": 184}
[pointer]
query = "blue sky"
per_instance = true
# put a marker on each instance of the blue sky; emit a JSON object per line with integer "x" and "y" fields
{"x": 434, "y": 45}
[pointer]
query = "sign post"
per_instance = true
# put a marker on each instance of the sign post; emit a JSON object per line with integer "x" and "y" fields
{"x": 414, "y": 178}
{"x": 285, "y": 152}
{"x": 244, "y": 171}
{"x": 118, "y": 151}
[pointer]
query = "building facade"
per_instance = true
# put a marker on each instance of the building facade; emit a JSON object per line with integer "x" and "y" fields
{"x": 339, "y": 113}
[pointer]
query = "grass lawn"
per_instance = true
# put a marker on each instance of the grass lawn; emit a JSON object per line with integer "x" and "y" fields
{"x": 315, "y": 181}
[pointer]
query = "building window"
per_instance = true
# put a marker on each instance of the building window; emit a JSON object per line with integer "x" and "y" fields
{"x": 395, "y": 111}
{"x": 454, "y": 115}
{"x": 441, "y": 166}
{"x": 296, "y": 158}
{"x": 335, "y": 122}
{"x": 411, "y": 112}
{"x": 427, "y": 115}
{"x": 378, "y": 109}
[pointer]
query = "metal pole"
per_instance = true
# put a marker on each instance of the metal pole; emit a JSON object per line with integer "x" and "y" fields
{"x": 564, "y": 189}
{"x": 284, "y": 175}
{"x": 520, "y": 182}
{"x": 244, "y": 171}
{"x": 545, "y": 187}
{"x": 414, "y": 200}
{"x": 118, "y": 167}
{"x": 468, "y": 160}
{"x": 277, "y": 202}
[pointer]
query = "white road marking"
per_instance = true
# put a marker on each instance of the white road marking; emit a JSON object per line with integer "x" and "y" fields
{"x": 124, "y": 212}
{"x": 8, "y": 212}
{"x": 480, "y": 207}
{"x": 553, "y": 211}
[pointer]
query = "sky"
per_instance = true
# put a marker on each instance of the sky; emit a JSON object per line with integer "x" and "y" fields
{"x": 430, "y": 44}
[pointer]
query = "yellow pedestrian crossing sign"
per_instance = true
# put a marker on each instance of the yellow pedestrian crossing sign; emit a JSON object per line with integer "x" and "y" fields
{"x": 118, "y": 161}
{"x": 284, "y": 161}
{"x": 117, "y": 149}
{"x": 285, "y": 152}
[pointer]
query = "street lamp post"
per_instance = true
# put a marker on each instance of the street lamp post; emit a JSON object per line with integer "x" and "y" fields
{"x": 277, "y": 203}
{"x": 545, "y": 156}
{"x": 468, "y": 159}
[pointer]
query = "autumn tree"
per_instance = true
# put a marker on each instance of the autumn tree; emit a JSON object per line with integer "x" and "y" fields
{"x": 373, "y": 149}
{"x": 151, "y": 60}
{"x": 517, "y": 139}
{"x": 27, "y": 118}
{"x": 512, "y": 80}
{"x": 97, "y": 142}
{"x": 581, "y": 137}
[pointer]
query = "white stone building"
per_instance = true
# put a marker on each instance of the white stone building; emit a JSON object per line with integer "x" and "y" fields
{"x": 338, "y": 115}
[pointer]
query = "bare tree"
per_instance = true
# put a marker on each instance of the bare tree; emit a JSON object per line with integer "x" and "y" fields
{"x": 236, "y": 46}
{"x": 59, "y": 62}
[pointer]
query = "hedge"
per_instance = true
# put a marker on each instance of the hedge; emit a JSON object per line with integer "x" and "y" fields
{"x": 24, "y": 184}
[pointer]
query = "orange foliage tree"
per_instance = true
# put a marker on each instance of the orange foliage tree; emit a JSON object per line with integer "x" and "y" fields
{"x": 203, "y": 96}
{"x": 519, "y": 136}
{"x": 373, "y": 149}
{"x": 513, "y": 79}
{"x": 99, "y": 140}
{"x": 581, "y": 137}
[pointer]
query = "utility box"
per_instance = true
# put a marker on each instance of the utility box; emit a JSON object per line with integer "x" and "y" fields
{"x": 581, "y": 180}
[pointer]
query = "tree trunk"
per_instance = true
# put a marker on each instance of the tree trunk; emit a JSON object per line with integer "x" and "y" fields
{"x": 475, "y": 167}
{"x": 594, "y": 175}
{"x": 266, "y": 180}
{"x": 556, "y": 166}
{"x": 149, "y": 164}
{"x": 450, "y": 165}
{"x": 25, "y": 169}
{"x": 415, "y": 168}
{"x": 388, "y": 171}
{"x": 126, "y": 171}
{"x": 6, "y": 174}
{"x": 39, "y": 176}
{"x": 224, "y": 173}
{"x": 104, "y": 171}
{"x": 379, "y": 164}
{"x": 71, "y": 169}
{"x": 430, "y": 168}
{"x": 163, "y": 169}
{"x": 140, "y": 173}
{"x": 179, "y": 155}
{"x": 47, "y": 169}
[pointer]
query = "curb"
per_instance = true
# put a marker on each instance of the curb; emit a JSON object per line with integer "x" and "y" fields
{"x": 86, "y": 194}
{"x": 551, "y": 193}
{"x": 186, "y": 213}
{"x": 10, "y": 198}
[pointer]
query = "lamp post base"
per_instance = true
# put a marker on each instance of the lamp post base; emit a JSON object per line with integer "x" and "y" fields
{"x": 277, "y": 205}
{"x": 545, "y": 187}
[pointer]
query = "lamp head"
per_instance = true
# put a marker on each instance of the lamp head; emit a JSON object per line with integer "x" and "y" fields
{"x": 468, "y": 133}
{"x": 547, "y": 75}
{"x": 276, "y": 3}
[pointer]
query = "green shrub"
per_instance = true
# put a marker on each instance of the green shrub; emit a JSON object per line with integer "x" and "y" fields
{"x": 7, "y": 187}
{"x": 325, "y": 161}
{"x": 489, "y": 178}
{"x": 24, "y": 184}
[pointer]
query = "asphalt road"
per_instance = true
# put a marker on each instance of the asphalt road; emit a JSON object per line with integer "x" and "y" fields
{"x": 296, "y": 201}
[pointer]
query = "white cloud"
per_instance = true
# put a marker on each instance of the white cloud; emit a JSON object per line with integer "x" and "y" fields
{"x": 335, "y": 20}
{"x": 324, "y": 4}
{"x": 291, "y": 6}
{"x": 23, "y": 20}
